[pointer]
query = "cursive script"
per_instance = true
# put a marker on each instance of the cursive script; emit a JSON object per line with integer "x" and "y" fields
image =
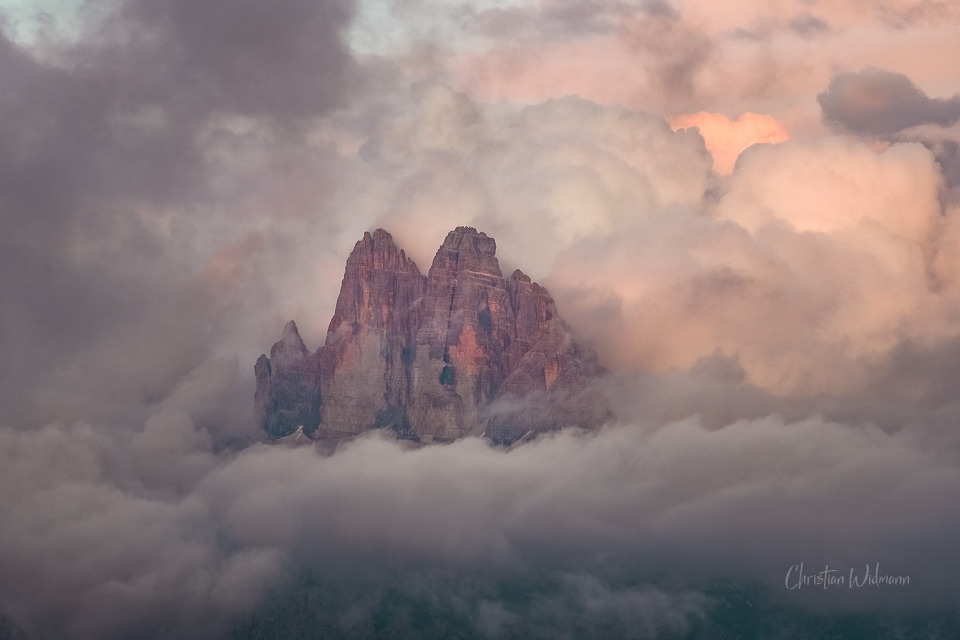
{"x": 798, "y": 578}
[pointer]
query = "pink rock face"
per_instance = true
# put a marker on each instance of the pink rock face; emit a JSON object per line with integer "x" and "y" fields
{"x": 461, "y": 351}
{"x": 364, "y": 367}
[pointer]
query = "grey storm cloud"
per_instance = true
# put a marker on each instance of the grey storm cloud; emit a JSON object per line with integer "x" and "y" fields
{"x": 279, "y": 59}
{"x": 879, "y": 102}
{"x": 102, "y": 138}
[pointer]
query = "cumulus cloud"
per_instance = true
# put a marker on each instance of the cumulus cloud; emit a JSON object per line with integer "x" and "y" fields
{"x": 831, "y": 239}
{"x": 536, "y": 179}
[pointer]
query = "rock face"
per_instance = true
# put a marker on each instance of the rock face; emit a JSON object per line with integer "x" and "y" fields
{"x": 288, "y": 386}
{"x": 460, "y": 351}
{"x": 365, "y": 361}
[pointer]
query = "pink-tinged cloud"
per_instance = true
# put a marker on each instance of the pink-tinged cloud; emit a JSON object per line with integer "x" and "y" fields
{"x": 232, "y": 263}
{"x": 767, "y": 57}
{"x": 596, "y": 68}
{"x": 726, "y": 139}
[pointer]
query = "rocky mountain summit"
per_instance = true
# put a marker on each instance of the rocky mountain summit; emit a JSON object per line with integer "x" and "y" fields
{"x": 460, "y": 351}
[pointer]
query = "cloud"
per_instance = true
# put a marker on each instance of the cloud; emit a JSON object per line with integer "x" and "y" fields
{"x": 563, "y": 19}
{"x": 676, "y": 52}
{"x": 696, "y": 56}
{"x": 536, "y": 179}
{"x": 742, "y": 502}
{"x": 829, "y": 238}
{"x": 878, "y": 102}
{"x": 808, "y": 25}
{"x": 640, "y": 54}
{"x": 726, "y": 138}
{"x": 255, "y": 58}
{"x": 905, "y": 13}
{"x": 114, "y": 139}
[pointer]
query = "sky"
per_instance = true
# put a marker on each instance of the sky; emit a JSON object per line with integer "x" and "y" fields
{"x": 749, "y": 210}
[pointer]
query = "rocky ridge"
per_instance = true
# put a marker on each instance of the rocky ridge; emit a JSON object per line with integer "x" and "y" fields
{"x": 460, "y": 351}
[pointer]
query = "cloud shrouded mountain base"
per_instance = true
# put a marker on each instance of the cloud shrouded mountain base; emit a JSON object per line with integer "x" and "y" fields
{"x": 658, "y": 530}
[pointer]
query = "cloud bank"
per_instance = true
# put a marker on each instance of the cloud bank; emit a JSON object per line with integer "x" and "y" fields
{"x": 631, "y": 502}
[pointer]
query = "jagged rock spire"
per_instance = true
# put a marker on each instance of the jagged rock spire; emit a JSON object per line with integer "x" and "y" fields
{"x": 434, "y": 356}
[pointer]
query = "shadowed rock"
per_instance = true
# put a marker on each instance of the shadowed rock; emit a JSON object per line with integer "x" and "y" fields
{"x": 287, "y": 393}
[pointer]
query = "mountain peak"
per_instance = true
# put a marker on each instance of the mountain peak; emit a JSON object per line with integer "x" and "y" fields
{"x": 379, "y": 251}
{"x": 290, "y": 344}
{"x": 290, "y": 332}
{"x": 462, "y": 351}
{"x": 469, "y": 250}
{"x": 467, "y": 230}
{"x": 519, "y": 276}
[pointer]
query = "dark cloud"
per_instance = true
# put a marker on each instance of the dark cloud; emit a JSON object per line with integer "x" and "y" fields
{"x": 879, "y": 102}
{"x": 572, "y": 16}
{"x": 9, "y": 630}
{"x": 677, "y": 53}
{"x": 875, "y": 102}
{"x": 659, "y": 9}
{"x": 565, "y": 18}
{"x": 807, "y": 25}
{"x": 804, "y": 25}
{"x": 902, "y": 15}
{"x": 118, "y": 146}
{"x": 276, "y": 59}
{"x": 948, "y": 155}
